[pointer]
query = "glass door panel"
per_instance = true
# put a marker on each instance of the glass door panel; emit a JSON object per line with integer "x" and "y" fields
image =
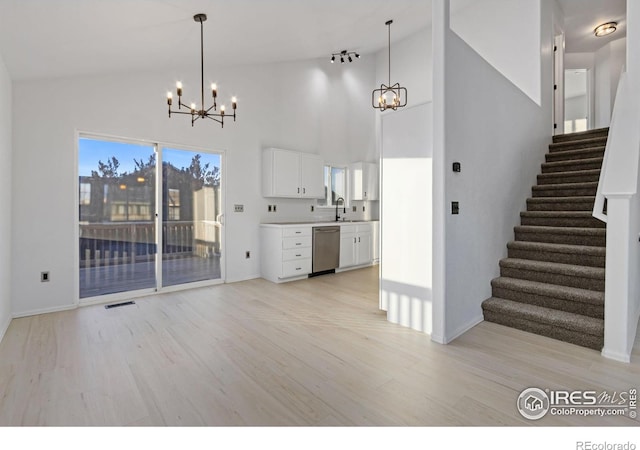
{"x": 191, "y": 211}
{"x": 116, "y": 216}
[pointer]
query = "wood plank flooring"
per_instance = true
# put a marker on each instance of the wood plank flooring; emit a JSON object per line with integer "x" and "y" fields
{"x": 316, "y": 352}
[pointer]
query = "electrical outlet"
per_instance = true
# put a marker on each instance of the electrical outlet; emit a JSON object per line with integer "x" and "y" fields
{"x": 455, "y": 208}
{"x": 238, "y": 208}
{"x": 44, "y": 277}
{"x": 247, "y": 254}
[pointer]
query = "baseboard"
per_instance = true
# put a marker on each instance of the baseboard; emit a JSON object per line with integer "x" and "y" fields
{"x": 616, "y": 356}
{"x": 5, "y": 327}
{"x": 450, "y": 337}
{"x": 238, "y": 280}
{"x": 36, "y": 312}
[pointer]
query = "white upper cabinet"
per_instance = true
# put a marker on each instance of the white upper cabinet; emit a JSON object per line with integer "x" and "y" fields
{"x": 364, "y": 182}
{"x": 286, "y": 173}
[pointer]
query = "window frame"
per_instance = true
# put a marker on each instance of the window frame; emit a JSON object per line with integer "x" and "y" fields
{"x": 330, "y": 166}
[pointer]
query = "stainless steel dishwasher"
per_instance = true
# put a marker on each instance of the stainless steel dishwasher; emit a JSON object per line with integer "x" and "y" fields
{"x": 326, "y": 250}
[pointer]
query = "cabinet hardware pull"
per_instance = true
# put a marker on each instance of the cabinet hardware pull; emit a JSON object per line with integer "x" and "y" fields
{"x": 354, "y": 240}
{"x": 298, "y": 268}
{"x": 358, "y": 239}
{"x": 304, "y": 190}
{"x": 298, "y": 190}
{"x": 298, "y": 255}
{"x": 298, "y": 243}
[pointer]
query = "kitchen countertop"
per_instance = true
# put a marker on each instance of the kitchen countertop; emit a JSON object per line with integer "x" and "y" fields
{"x": 315, "y": 223}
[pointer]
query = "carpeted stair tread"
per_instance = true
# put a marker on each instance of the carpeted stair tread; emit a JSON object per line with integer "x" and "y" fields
{"x": 570, "y": 327}
{"x": 569, "y": 321}
{"x": 595, "y": 273}
{"x": 577, "y": 144}
{"x": 595, "y": 298}
{"x": 583, "y": 189}
{"x": 558, "y": 248}
{"x": 582, "y": 153}
{"x": 562, "y": 235}
{"x": 578, "y": 203}
{"x": 581, "y": 135}
{"x": 560, "y": 219}
{"x": 575, "y": 176}
{"x": 573, "y": 165}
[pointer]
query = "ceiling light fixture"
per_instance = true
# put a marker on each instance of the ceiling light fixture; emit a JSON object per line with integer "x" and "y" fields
{"x": 388, "y": 96}
{"x": 342, "y": 55}
{"x": 193, "y": 111}
{"x": 605, "y": 29}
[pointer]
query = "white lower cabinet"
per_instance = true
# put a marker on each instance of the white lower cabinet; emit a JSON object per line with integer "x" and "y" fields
{"x": 355, "y": 245}
{"x": 285, "y": 252}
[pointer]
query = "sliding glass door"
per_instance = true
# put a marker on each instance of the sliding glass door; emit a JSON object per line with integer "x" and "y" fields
{"x": 123, "y": 195}
{"x": 191, "y": 228}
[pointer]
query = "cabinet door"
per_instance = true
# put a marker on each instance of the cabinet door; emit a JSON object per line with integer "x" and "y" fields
{"x": 312, "y": 177}
{"x": 347, "y": 250}
{"x": 372, "y": 184}
{"x": 363, "y": 248}
{"x": 356, "y": 177}
{"x": 286, "y": 174}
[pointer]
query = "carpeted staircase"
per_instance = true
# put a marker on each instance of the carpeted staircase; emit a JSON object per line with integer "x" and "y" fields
{"x": 552, "y": 282}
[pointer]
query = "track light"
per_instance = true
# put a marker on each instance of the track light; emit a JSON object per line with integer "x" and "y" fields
{"x": 344, "y": 54}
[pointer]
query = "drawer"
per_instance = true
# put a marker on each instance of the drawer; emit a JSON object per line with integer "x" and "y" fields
{"x": 296, "y": 242}
{"x": 296, "y": 268}
{"x": 296, "y": 232}
{"x": 296, "y": 253}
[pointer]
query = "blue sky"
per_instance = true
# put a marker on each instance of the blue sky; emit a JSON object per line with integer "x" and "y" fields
{"x": 90, "y": 151}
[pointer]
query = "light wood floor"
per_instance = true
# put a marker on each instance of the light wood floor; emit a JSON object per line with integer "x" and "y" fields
{"x": 315, "y": 352}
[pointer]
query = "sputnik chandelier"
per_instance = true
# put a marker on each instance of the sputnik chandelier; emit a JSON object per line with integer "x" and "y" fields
{"x": 195, "y": 112}
{"x": 388, "y": 96}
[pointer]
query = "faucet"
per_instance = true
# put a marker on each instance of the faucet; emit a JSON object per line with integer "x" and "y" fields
{"x": 344, "y": 210}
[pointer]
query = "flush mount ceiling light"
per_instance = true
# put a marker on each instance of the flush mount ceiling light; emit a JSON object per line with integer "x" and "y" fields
{"x": 388, "y": 96}
{"x": 344, "y": 54}
{"x": 201, "y": 113}
{"x": 605, "y": 29}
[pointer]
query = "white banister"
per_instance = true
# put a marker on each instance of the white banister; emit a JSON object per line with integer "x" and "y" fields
{"x": 619, "y": 187}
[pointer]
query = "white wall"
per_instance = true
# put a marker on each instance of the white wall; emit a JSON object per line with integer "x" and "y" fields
{"x": 499, "y": 135}
{"x": 609, "y": 62}
{"x": 407, "y": 216}
{"x": 311, "y": 106}
{"x": 506, "y": 34}
{"x": 5, "y": 198}
{"x": 405, "y": 141}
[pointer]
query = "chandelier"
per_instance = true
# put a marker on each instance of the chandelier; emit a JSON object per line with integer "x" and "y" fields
{"x": 195, "y": 112}
{"x": 388, "y": 96}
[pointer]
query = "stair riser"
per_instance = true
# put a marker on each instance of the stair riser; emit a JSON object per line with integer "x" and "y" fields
{"x": 592, "y": 134}
{"x": 572, "y": 306}
{"x": 575, "y": 192}
{"x": 560, "y": 179}
{"x": 562, "y": 222}
{"x": 553, "y": 278}
{"x": 571, "y": 166}
{"x": 559, "y": 156}
{"x": 563, "y": 258}
{"x": 560, "y": 206}
{"x": 584, "y": 340}
{"x": 576, "y": 145}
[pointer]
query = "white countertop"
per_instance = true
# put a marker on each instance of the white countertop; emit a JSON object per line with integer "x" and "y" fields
{"x": 315, "y": 223}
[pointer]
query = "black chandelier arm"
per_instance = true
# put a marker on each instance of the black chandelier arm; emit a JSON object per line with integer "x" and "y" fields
{"x": 212, "y": 107}
{"x": 181, "y": 112}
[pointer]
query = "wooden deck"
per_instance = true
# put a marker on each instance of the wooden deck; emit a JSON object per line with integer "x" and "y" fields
{"x": 115, "y": 278}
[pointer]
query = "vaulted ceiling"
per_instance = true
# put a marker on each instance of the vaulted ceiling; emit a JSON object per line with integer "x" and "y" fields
{"x": 58, "y": 38}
